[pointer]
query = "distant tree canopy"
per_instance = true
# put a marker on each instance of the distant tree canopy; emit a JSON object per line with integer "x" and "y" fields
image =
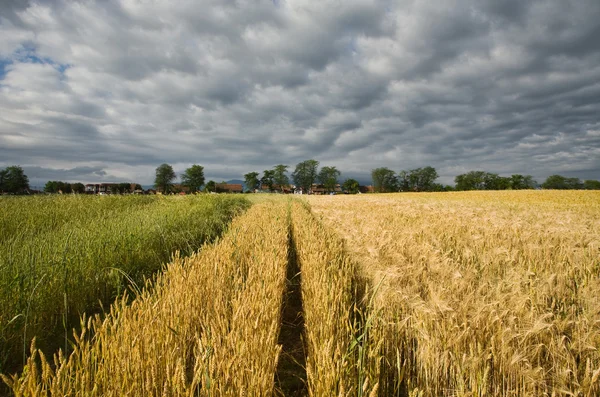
{"x": 384, "y": 180}
{"x": 121, "y": 188}
{"x": 78, "y": 188}
{"x": 57, "y": 186}
{"x": 164, "y": 178}
{"x": 351, "y": 186}
{"x": 268, "y": 179}
{"x": 280, "y": 177}
{"x": 564, "y": 183}
{"x": 591, "y": 184}
{"x": 328, "y": 176}
{"x": 211, "y": 186}
{"x": 305, "y": 174}
{"x": 418, "y": 180}
{"x": 251, "y": 180}
{"x": 520, "y": 182}
{"x": 472, "y": 180}
{"x": 193, "y": 178}
{"x": 481, "y": 180}
{"x": 13, "y": 180}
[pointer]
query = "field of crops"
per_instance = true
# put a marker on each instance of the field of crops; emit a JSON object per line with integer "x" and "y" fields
{"x": 61, "y": 256}
{"x": 445, "y": 294}
{"x": 479, "y": 293}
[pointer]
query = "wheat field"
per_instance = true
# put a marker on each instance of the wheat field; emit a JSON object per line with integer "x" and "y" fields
{"x": 441, "y": 294}
{"x": 479, "y": 293}
{"x": 65, "y": 255}
{"x": 207, "y": 326}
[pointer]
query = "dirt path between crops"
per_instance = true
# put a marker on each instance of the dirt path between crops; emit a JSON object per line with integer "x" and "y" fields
{"x": 290, "y": 379}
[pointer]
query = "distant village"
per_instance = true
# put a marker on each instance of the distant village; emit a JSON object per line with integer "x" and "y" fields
{"x": 117, "y": 188}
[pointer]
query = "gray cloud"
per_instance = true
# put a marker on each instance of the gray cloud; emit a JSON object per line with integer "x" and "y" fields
{"x": 110, "y": 90}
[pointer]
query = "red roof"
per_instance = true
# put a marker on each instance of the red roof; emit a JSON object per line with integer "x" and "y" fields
{"x": 230, "y": 187}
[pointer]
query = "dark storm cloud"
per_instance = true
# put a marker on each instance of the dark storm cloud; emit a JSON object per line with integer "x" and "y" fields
{"x": 39, "y": 175}
{"x": 109, "y": 90}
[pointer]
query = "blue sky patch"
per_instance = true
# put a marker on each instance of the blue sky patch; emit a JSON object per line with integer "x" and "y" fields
{"x": 27, "y": 53}
{"x": 3, "y": 64}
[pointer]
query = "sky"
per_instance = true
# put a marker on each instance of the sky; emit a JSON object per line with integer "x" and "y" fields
{"x": 106, "y": 91}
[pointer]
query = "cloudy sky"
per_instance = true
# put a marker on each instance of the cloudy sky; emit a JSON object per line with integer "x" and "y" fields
{"x": 108, "y": 90}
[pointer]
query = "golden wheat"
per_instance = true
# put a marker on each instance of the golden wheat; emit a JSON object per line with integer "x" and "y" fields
{"x": 329, "y": 299}
{"x": 208, "y": 326}
{"x": 461, "y": 294}
{"x": 482, "y": 293}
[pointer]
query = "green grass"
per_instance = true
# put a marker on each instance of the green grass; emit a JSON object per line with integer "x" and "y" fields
{"x": 61, "y": 256}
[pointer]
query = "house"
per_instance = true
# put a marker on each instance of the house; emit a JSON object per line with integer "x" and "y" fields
{"x": 229, "y": 188}
{"x": 99, "y": 188}
{"x": 179, "y": 188}
{"x": 277, "y": 189}
{"x": 366, "y": 189}
{"x": 321, "y": 189}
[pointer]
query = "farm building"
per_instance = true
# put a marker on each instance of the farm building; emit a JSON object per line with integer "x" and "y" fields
{"x": 229, "y": 188}
{"x": 96, "y": 188}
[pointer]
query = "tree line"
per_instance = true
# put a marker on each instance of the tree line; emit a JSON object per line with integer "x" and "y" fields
{"x": 423, "y": 180}
{"x": 79, "y": 188}
{"x": 275, "y": 179}
{"x": 306, "y": 173}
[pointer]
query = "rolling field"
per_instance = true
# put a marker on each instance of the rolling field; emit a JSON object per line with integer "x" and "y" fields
{"x": 442, "y": 294}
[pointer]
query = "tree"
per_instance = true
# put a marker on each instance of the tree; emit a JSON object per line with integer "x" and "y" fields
{"x": 51, "y": 187}
{"x": 561, "y": 182}
{"x": 78, "y": 187}
{"x": 164, "y": 178}
{"x": 3, "y": 174}
{"x": 384, "y": 180}
{"x": 328, "y": 176}
{"x": 351, "y": 186}
{"x": 519, "y": 182}
{"x": 211, "y": 186}
{"x": 417, "y": 180}
{"x": 279, "y": 176}
{"x": 591, "y": 184}
{"x": 305, "y": 174}
{"x": 193, "y": 178}
{"x": 267, "y": 179}
{"x": 251, "y": 180}
{"x": 472, "y": 180}
{"x": 495, "y": 182}
{"x": 404, "y": 181}
{"x": 13, "y": 180}
{"x": 530, "y": 182}
{"x": 574, "y": 183}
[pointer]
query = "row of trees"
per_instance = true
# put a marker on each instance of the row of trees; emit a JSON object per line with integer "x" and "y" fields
{"x": 64, "y": 187}
{"x": 304, "y": 176}
{"x": 306, "y": 173}
{"x": 79, "y": 188}
{"x": 562, "y": 182}
{"x": 386, "y": 180}
{"x": 192, "y": 178}
{"x": 13, "y": 180}
{"x": 481, "y": 180}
